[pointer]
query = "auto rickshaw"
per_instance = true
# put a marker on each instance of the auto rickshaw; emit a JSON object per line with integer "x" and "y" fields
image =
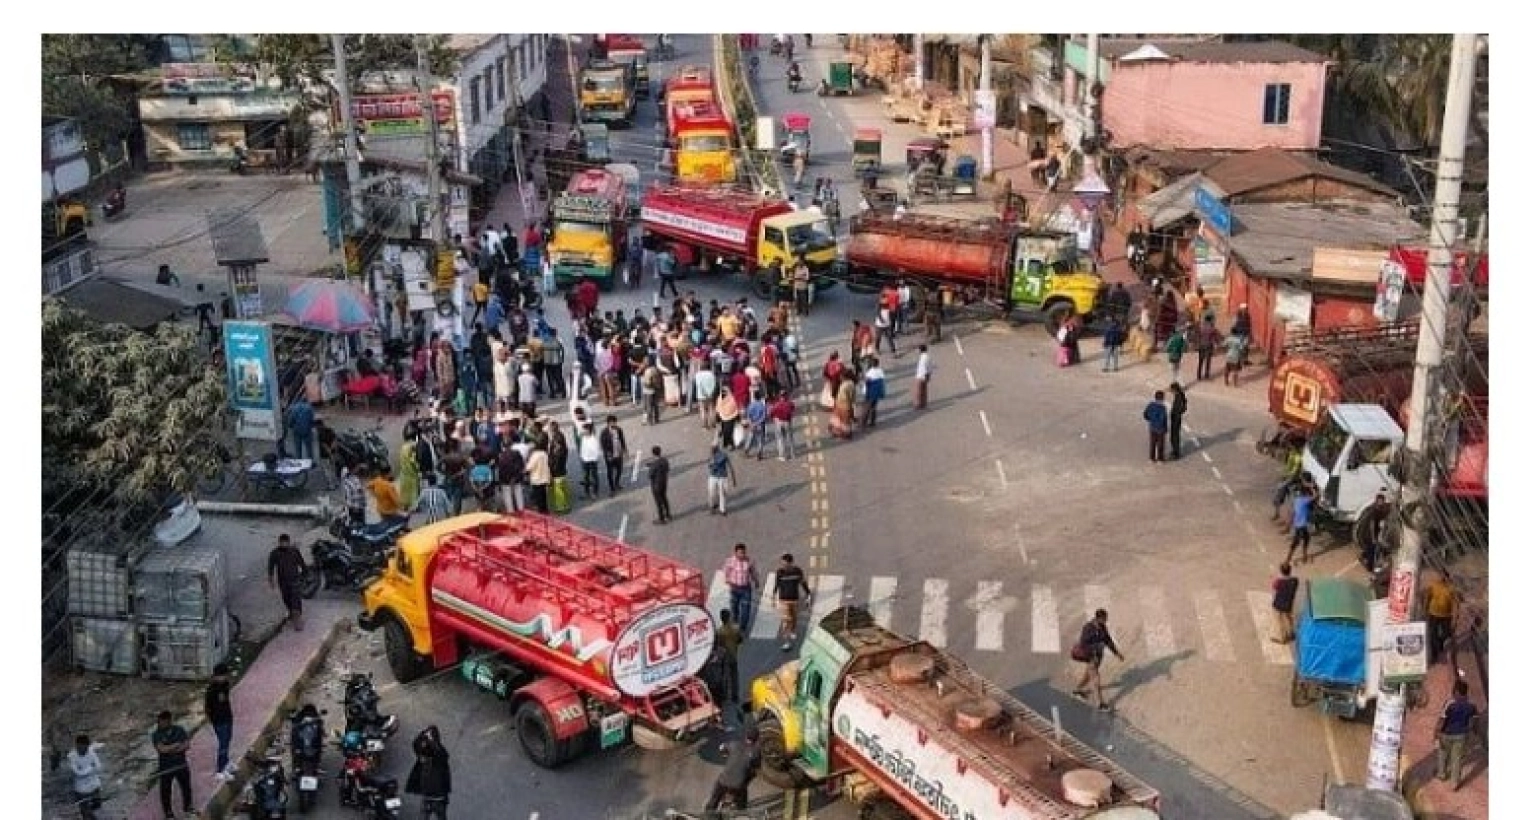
{"x": 797, "y": 137}
{"x": 866, "y": 152}
{"x": 1333, "y": 635}
{"x": 875, "y": 199}
{"x": 926, "y": 150}
{"x": 839, "y": 79}
{"x": 595, "y": 146}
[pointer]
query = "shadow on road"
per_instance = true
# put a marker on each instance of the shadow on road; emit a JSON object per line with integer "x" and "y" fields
{"x": 1143, "y": 673}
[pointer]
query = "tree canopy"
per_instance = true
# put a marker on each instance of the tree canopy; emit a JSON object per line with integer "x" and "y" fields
{"x": 120, "y": 408}
{"x": 298, "y": 58}
{"x": 74, "y": 68}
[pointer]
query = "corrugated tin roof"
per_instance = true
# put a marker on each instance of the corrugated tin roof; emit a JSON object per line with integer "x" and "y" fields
{"x": 1276, "y": 239}
{"x": 236, "y": 237}
{"x": 1199, "y": 51}
{"x": 115, "y": 303}
{"x": 1254, "y": 170}
{"x": 1174, "y": 162}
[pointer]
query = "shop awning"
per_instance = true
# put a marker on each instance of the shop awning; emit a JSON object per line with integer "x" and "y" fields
{"x": 1170, "y": 203}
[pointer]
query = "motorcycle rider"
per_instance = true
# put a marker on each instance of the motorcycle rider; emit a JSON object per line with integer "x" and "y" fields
{"x": 117, "y": 199}
{"x": 431, "y": 777}
{"x": 793, "y": 75}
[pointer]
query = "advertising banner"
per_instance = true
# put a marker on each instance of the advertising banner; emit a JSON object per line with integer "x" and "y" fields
{"x": 1407, "y": 653}
{"x": 382, "y": 114}
{"x": 252, "y": 374}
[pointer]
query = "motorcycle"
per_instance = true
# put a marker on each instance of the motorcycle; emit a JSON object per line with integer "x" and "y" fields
{"x": 306, "y": 741}
{"x": 365, "y": 539}
{"x": 1277, "y": 445}
{"x": 267, "y": 795}
{"x": 366, "y": 448}
{"x": 358, "y": 783}
{"x": 241, "y": 163}
{"x": 340, "y": 566}
{"x": 116, "y": 202}
{"x": 362, "y": 710}
{"x": 792, "y": 80}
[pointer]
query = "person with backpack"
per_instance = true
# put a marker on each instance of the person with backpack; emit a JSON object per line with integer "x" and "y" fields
{"x": 1089, "y": 651}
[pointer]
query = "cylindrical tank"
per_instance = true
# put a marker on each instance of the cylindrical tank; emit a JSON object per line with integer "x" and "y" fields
{"x": 973, "y": 255}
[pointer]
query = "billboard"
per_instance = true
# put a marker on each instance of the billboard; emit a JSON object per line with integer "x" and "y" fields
{"x": 389, "y": 114}
{"x": 251, "y": 368}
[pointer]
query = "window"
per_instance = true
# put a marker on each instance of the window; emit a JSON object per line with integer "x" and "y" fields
{"x": 474, "y": 100}
{"x": 489, "y": 81}
{"x": 194, "y": 136}
{"x": 1277, "y": 104}
{"x": 501, "y": 78}
{"x": 525, "y": 60}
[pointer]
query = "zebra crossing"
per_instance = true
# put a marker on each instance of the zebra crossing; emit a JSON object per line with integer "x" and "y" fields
{"x": 1147, "y": 621}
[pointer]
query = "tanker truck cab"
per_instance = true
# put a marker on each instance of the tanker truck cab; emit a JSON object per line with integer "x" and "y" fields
{"x": 590, "y": 227}
{"x": 1049, "y": 275}
{"x": 805, "y": 233}
{"x": 589, "y": 640}
{"x": 1349, "y": 457}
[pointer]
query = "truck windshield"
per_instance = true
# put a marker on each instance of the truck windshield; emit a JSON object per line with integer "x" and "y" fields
{"x": 604, "y": 84}
{"x": 1327, "y": 443}
{"x": 706, "y": 142}
{"x": 812, "y": 235}
{"x": 569, "y": 227}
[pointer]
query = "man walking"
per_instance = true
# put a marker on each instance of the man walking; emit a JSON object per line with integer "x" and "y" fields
{"x": 589, "y": 448}
{"x": 742, "y": 580}
{"x": 874, "y": 391}
{"x": 170, "y": 742}
{"x": 285, "y": 569}
{"x": 1089, "y": 651}
{"x": 757, "y": 425}
{"x": 1176, "y": 344}
{"x": 1440, "y": 612}
{"x": 1301, "y": 522}
{"x": 615, "y": 450}
{"x": 434, "y": 503}
{"x": 1283, "y": 602}
{"x": 221, "y": 716}
{"x": 658, "y": 470}
{"x": 1114, "y": 338}
{"x": 706, "y": 388}
{"x": 430, "y": 776}
{"x": 1176, "y": 410}
{"x": 1456, "y": 720}
{"x": 721, "y": 471}
{"x": 354, "y": 496}
{"x": 728, "y": 640}
{"x": 923, "y": 373}
{"x": 666, "y": 273}
{"x": 788, "y": 584}
{"x": 1156, "y": 416}
{"x": 85, "y": 776}
{"x": 539, "y": 477}
{"x": 783, "y": 413}
{"x": 1206, "y": 339}
{"x": 300, "y": 421}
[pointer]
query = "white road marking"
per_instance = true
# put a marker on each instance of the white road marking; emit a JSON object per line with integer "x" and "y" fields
{"x": 765, "y": 618}
{"x": 1018, "y": 540}
{"x": 1216, "y": 472}
{"x": 1206, "y": 456}
{"x": 934, "y": 620}
{"x": 623, "y": 526}
{"x": 719, "y": 594}
{"x": 1001, "y": 476}
{"x": 971, "y": 380}
{"x": 1159, "y": 627}
{"x": 958, "y": 348}
{"x": 989, "y": 616}
{"x": 1258, "y": 606}
{"x": 1213, "y": 626}
{"x": 1226, "y": 489}
{"x": 1333, "y": 746}
{"x": 635, "y": 474}
{"x": 826, "y": 595}
{"x": 882, "y": 595}
{"x": 1044, "y": 628}
{"x": 985, "y": 425}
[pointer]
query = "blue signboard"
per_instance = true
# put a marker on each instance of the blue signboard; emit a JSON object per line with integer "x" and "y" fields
{"x": 252, "y": 373}
{"x": 1213, "y": 210}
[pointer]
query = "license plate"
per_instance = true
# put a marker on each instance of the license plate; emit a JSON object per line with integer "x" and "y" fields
{"x": 309, "y": 784}
{"x": 391, "y": 802}
{"x": 375, "y": 745}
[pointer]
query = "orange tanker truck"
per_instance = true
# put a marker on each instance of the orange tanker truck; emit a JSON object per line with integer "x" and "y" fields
{"x": 591, "y": 641}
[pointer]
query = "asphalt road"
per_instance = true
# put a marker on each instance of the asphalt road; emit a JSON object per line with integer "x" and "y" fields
{"x": 992, "y": 524}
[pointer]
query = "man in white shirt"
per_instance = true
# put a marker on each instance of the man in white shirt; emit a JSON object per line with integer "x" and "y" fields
{"x": 923, "y": 374}
{"x": 491, "y": 242}
{"x": 85, "y": 772}
{"x": 903, "y": 306}
{"x": 705, "y": 387}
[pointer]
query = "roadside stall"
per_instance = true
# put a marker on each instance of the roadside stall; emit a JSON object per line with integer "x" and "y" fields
{"x": 325, "y": 328}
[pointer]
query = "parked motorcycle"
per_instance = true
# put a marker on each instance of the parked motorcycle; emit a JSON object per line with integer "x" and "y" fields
{"x": 360, "y": 757}
{"x": 115, "y": 203}
{"x": 362, "y": 539}
{"x": 241, "y": 162}
{"x": 267, "y": 794}
{"x": 362, "y": 705}
{"x": 306, "y": 740}
{"x": 340, "y": 566}
{"x": 366, "y": 449}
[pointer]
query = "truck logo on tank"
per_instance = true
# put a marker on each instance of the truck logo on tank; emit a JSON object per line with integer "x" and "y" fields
{"x": 661, "y": 648}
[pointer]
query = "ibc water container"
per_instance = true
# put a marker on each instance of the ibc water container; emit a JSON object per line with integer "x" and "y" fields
{"x": 182, "y": 650}
{"x": 184, "y": 585}
{"x": 105, "y": 645}
{"x": 100, "y": 579}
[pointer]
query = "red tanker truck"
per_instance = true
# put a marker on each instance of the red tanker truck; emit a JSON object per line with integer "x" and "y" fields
{"x": 1006, "y": 265}
{"x": 589, "y": 639}
{"x": 732, "y": 230}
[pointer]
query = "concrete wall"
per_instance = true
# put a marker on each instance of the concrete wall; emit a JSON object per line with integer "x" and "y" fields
{"x": 1213, "y": 105}
{"x": 491, "y": 70}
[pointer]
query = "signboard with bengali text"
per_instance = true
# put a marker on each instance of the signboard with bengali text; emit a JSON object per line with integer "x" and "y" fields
{"x": 734, "y": 234}
{"x": 400, "y": 113}
{"x": 251, "y": 370}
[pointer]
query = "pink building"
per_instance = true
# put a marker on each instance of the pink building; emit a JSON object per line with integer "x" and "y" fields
{"x": 1201, "y": 95}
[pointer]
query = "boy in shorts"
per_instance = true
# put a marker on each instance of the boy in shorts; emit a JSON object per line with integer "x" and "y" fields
{"x": 788, "y": 584}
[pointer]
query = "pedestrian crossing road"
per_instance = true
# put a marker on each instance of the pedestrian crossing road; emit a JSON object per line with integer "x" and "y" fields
{"x": 1147, "y": 622}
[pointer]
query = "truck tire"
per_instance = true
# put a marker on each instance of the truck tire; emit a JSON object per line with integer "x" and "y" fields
{"x": 777, "y": 768}
{"x": 403, "y": 660}
{"x": 1056, "y": 314}
{"x": 537, "y": 736}
{"x": 762, "y": 288}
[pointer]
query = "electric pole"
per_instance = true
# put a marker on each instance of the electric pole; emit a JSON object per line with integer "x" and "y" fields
{"x": 917, "y": 59}
{"x": 1091, "y": 100}
{"x": 986, "y": 103}
{"x": 517, "y": 104}
{"x": 570, "y": 68}
{"x": 1387, "y": 734}
{"x": 437, "y": 215}
{"x": 354, "y": 223}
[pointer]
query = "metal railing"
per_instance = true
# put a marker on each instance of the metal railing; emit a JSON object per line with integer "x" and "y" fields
{"x": 736, "y": 96}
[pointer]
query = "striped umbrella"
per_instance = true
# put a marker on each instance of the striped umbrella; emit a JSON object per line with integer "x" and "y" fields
{"x": 330, "y": 305}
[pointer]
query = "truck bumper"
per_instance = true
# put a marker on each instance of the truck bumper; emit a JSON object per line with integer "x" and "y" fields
{"x": 366, "y": 622}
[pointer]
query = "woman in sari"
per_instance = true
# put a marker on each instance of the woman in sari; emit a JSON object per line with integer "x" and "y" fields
{"x": 842, "y": 410}
{"x": 410, "y": 472}
{"x": 831, "y": 374}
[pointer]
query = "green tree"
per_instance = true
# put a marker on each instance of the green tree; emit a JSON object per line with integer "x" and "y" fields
{"x": 299, "y": 58}
{"x": 121, "y": 406}
{"x": 1398, "y": 79}
{"x": 75, "y": 67}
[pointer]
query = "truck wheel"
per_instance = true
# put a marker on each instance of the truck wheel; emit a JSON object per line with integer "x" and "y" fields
{"x": 777, "y": 767}
{"x": 403, "y": 660}
{"x": 537, "y": 736}
{"x": 1056, "y": 314}
{"x": 761, "y": 287}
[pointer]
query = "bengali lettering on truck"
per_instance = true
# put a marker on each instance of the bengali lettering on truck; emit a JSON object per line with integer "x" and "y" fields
{"x": 920, "y": 766}
{"x": 702, "y": 227}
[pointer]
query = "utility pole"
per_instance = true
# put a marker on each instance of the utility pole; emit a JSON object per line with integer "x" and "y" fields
{"x": 354, "y": 223}
{"x": 517, "y": 105}
{"x": 1386, "y": 736}
{"x": 917, "y": 57}
{"x": 988, "y": 104}
{"x": 1091, "y": 100}
{"x": 437, "y": 215}
{"x": 570, "y": 68}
